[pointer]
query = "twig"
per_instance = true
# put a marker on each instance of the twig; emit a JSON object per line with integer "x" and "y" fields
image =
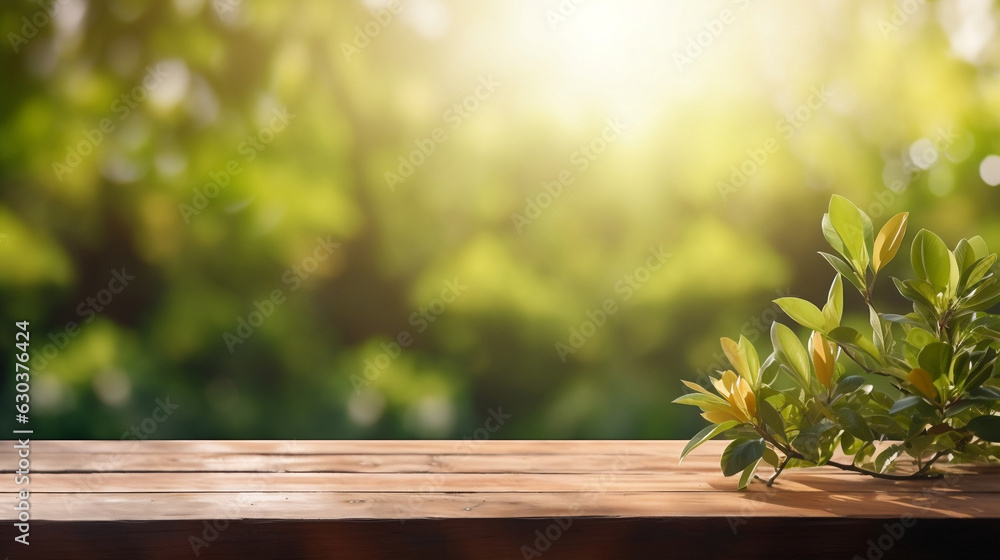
{"x": 792, "y": 454}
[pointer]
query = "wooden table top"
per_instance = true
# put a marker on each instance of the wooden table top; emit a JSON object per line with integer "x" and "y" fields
{"x": 400, "y": 480}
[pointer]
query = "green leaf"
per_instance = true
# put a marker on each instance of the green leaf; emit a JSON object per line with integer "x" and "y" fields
{"x": 981, "y": 371}
{"x": 790, "y": 349}
{"x": 908, "y": 319}
{"x": 961, "y": 367}
{"x": 890, "y": 237}
{"x": 985, "y": 427}
{"x": 936, "y": 358}
{"x": 978, "y": 396}
{"x": 954, "y": 275}
{"x": 770, "y": 457}
{"x": 850, "y": 444}
{"x": 919, "y": 338}
{"x": 740, "y": 454}
{"x": 906, "y": 403}
{"x": 855, "y": 425}
{"x": 978, "y": 270}
{"x": 986, "y": 296}
{"x": 964, "y": 254}
{"x": 747, "y": 475}
{"x": 809, "y": 442}
{"x": 917, "y": 291}
{"x": 886, "y": 425}
{"x": 772, "y": 419}
{"x": 849, "y": 384}
{"x": 833, "y": 311}
{"x": 708, "y": 433}
{"x": 868, "y": 231}
{"x": 831, "y": 236}
{"x": 752, "y": 359}
{"x": 849, "y": 224}
{"x": 877, "y": 335}
{"x": 852, "y": 338}
{"x": 886, "y": 457}
{"x": 959, "y": 407}
{"x": 986, "y": 394}
{"x": 978, "y": 245}
{"x": 845, "y": 270}
{"x": 769, "y": 369}
{"x": 802, "y": 312}
{"x": 705, "y": 402}
{"x": 931, "y": 259}
{"x": 986, "y": 323}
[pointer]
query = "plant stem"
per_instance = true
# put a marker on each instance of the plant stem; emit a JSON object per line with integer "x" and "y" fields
{"x": 922, "y": 473}
{"x": 780, "y": 468}
{"x": 928, "y": 464}
{"x": 869, "y": 287}
{"x": 792, "y": 454}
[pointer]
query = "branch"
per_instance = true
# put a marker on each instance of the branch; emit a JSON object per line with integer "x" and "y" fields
{"x": 792, "y": 454}
{"x": 920, "y": 474}
{"x": 780, "y": 468}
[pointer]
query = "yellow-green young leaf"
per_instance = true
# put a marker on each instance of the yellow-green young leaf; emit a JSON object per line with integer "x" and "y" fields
{"x": 849, "y": 336}
{"x": 833, "y": 311}
{"x": 705, "y": 402}
{"x": 737, "y": 358}
{"x": 823, "y": 358}
{"x": 696, "y": 387}
{"x": 708, "y": 433}
{"x": 936, "y": 359}
{"x": 787, "y": 345}
{"x": 831, "y": 236}
{"x": 878, "y": 335}
{"x": 964, "y": 254}
{"x": 931, "y": 259}
{"x": 954, "y": 274}
{"x": 979, "y": 269}
{"x": 771, "y": 458}
{"x": 979, "y": 247}
{"x": 719, "y": 416}
{"x": 849, "y": 223}
{"x": 803, "y": 313}
{"x": 921, "y": 379}
{"x": 916, "y": 339}
{"x": 753, "y": 360}
{"x": 888, "y": 240}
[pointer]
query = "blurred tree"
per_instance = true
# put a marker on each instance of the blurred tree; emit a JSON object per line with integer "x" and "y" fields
{"x": 379, "y": 219}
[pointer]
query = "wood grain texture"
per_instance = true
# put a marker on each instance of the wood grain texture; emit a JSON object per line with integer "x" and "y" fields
{"x": 446, "y": 499}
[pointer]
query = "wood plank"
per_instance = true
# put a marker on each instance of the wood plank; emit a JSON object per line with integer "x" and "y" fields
{"x": 471, "y": 505}
{"x": 595, "y": 500}
{"x": 433, "y": 447}
{"x": 811, "y": 480}
{"x": 243, "y": 462}
{"x": 473, "y": 463}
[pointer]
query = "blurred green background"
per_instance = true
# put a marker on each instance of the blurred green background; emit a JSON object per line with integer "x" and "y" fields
{"x": 555, "y": 208}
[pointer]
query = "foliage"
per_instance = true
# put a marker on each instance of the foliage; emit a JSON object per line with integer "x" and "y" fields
{"x": 928, "y": 387}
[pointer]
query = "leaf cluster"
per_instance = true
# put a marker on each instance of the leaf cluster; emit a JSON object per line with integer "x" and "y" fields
{"x": 889, "y": 398}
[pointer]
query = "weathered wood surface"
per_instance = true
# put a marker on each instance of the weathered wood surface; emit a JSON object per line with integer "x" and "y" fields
{"x": 490, "y": 499}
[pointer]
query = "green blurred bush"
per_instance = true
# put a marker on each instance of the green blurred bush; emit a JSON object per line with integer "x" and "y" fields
{"x": 383, "y": 221}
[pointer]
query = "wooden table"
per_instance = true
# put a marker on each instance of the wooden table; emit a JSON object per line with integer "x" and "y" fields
{"x": 489, "y": 499}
